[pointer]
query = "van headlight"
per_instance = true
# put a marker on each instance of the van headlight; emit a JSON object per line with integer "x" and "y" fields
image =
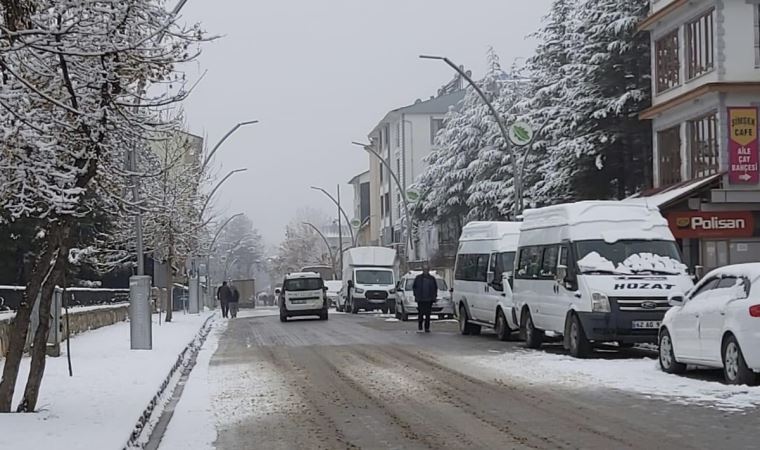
{"x": 358, "y": 291}
{"x": 600, "y": 303}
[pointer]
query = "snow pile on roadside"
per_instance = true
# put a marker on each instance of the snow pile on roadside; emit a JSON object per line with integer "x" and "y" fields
{"x": 635, "y": 376}
{"x": 98, "y": 406}
{"x": 193, "y": 425}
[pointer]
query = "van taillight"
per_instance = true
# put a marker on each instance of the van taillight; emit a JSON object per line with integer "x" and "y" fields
{"x": 754, "y": 311}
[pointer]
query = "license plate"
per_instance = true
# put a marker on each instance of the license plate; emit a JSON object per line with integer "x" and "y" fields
{"x": 297, "y": 302}
{"x": 646, "y": 324}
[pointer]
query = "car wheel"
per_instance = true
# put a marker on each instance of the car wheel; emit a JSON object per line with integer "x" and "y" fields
{"x": 323, "y": 315}
{"x": 283, "y": 317}
{"x": 384, "y": 310}
{"x": 502, "y": 328}
{"x": 354, "y": 308}
{"x": 404, "y": 315}
{"x": 668, "y": 362}
{"x": 533, "y": 336}
{"x": 580, "y": 346}
{"x": 734, "y": 366}
{"x": 465, "y": 327}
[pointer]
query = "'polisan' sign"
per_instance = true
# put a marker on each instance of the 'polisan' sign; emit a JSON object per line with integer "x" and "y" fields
{"x": 712, "y": 224}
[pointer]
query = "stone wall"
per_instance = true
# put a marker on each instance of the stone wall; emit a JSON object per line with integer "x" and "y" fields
{"x": 80, "y": 320}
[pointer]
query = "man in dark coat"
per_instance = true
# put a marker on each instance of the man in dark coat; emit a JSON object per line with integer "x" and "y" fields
{"x": 224, "y": 294}
{"x": 234, "y": 301}
{"x": 425, "y": 289}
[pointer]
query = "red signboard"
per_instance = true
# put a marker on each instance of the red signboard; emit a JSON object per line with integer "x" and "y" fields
{"x": 743, "y": 146}
{"x": 712, "y": 224}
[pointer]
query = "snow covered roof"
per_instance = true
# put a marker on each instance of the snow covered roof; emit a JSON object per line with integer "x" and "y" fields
{"x": 668, "y": 195}
{"x": 749, "y": 270}
{"x": 608, "y": 220}
{"x": 370, "y": 256}
{"x": 436, "y": 105}
{"x": 302, "y": 275}
{"x": 359, "y": 178}
{"x": 481, "y": 231}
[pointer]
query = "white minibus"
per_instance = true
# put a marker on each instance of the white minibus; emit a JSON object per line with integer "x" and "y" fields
{"x": 482, "y": 276}
{"x": 595, "y": 272}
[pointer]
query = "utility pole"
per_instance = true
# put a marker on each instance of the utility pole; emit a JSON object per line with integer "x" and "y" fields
{"x": 340, "y": 234}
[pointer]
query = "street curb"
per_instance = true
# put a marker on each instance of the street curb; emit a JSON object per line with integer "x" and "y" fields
{"x": 143, "y": 428}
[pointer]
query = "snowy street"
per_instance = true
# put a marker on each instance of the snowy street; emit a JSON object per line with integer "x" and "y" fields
{"x": 370, "y": 381}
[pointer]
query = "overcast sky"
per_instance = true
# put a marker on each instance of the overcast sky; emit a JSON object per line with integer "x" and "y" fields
{"x": 321, "y": 73}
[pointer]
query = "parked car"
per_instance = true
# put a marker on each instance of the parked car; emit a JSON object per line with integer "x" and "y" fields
{"x": 333, "y": 293}
{"x": 303, "y": 294}
{"x": 716, "y": 324}
{"x": 482, "y": 276}
{"x": 406, "y": 305}
{"x": 595, "y": 272}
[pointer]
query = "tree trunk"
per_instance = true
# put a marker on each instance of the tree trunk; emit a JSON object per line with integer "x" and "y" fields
{"x": 20, "y": 327}
{"x": 169, "y": 280}
{"x": 39, "y": 348}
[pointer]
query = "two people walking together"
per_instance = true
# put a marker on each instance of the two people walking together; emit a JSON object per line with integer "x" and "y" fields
{"x": 228, "y": 297}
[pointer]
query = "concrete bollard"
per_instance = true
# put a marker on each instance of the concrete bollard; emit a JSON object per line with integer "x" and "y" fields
{"x": 140, "y": 313}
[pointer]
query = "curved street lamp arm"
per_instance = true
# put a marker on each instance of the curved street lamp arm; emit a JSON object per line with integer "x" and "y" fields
{"x": 377, "y": 155}
{"x": 342, "y": 211}
{"x": 221, "y": 141}
{"x": 219, "y": 231}
{"x": 499, "y": 120}
{"x": 327, "y": 244}
{"x": 216, "y": 188}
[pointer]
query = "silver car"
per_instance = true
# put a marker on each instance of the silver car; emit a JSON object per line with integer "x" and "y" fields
{"x": 406, "y": 305}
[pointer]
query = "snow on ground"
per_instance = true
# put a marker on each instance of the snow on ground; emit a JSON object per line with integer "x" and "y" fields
{"x": 640, "y": 376}
{"x": 193, "y": 425}
{"x": 98, "y": 407}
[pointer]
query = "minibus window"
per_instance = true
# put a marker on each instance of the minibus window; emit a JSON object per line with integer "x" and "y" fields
{"x": 549, "y": 262}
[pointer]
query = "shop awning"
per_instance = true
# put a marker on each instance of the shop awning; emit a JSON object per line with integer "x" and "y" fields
{"x": 667, "y": 195}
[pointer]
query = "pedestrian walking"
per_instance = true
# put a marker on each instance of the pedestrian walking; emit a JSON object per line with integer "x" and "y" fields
{"x": 234, "y": 300}
{"x": 425, "y": 288}
{"x": 224, "y": 294}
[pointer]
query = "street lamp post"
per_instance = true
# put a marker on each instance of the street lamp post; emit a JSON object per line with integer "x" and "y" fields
{"x": 516, "y": 176}
{"x": 340, "y": 208}
{"x": 221, "y": 141}
{"x": 405, "y": 202}
{"x": 216, "y": 188}
{"x": 210, "y": 251}
{"x": 327, "y": 244}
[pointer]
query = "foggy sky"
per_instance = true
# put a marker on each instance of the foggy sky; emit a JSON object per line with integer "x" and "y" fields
{"x": 321, "y": 73}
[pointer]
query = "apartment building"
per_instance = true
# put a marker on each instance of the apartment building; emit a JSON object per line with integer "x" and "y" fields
{"x": 704, "y": 114}
{"x": 361, "y": 208}
{"x": 404, "y": 137}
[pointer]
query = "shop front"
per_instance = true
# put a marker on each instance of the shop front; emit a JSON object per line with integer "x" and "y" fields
{"x": 719, "y": 238}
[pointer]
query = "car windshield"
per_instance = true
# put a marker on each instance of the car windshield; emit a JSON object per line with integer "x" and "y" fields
{"x": 629, "y": 256}
{"x": 303, "y": 284}
{"x": 374, "y": 277}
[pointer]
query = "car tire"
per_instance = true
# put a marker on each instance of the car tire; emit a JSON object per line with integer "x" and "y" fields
{"x": 323, "y": 315}
{"x": 465, "y": 327}
{"x": 283, "y": 317}
{"x": 735, "y": 368}
{"x": 533, "y": 336}
{"x": 384, "y": 310}
{"x": 404, "y": 315}
{"x": 580, "y": 346}
{"x": 668, "y": 362}
{"x": 503, "y": 333}
{"x": 354, "y": 308}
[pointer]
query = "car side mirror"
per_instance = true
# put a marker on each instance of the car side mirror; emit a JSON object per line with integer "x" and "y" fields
{"x": 699, "y": 272}
{"x": 561, "y": 275}
{"x": 676, "y": 299}
{"x": 489, "y": 277}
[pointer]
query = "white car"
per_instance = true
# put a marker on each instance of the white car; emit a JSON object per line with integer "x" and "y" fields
{"x": 333, "y": 293}
{"x": 716, "y": 324}
{"x": 303, "y": 294}
{"x": 406, "y": 305}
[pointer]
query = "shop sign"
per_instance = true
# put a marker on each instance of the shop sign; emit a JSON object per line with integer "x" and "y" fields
{"x": 743, "y": 146}
{"x": 712, "y": 224}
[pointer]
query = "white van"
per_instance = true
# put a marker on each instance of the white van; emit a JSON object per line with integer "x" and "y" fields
{"x": 482, "y": 277}
{"x": 303, "y": 294}
{"x": 594, "y": 272}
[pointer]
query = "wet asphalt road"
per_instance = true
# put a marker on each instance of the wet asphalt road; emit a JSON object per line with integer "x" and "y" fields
{"x": 362, "y": 382}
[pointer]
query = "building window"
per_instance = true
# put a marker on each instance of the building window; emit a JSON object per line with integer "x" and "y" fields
{"x": 667, "y": 64}
{"x": 381, "y": 173}
{"x": 703, "y": 145}
{"x": 669, "y": 151}
{"x": 387, "y": 140}
{"x": 700, "y": 52}
{"x": 435, "y": 126}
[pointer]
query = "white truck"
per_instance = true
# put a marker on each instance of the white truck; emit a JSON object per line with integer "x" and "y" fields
{"x": 369, "y": 279}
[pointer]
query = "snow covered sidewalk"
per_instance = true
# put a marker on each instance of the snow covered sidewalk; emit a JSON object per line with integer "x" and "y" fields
{"x": 640, "y": 376}
{"x": 99, "y": 406}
